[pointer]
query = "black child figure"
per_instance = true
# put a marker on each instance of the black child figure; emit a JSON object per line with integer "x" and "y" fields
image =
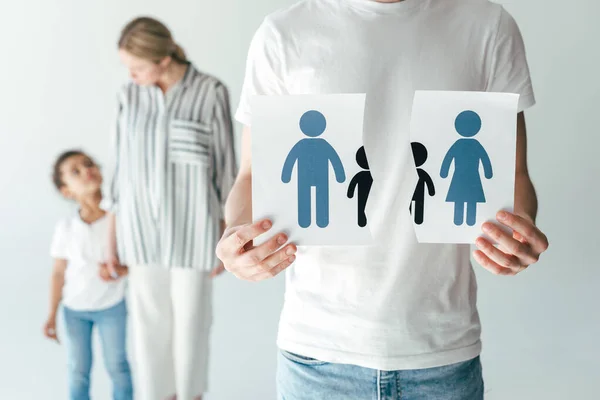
{"x": 363, "y": 180}
{"x": 420, "y": 156}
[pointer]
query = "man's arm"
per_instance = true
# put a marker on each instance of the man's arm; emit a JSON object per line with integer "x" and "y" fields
{"x": 235, "y": 248}
{"x": 238, "y": 209}
{"x": 525, "y": 197}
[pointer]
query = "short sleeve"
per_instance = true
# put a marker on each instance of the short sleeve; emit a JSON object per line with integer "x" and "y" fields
{"x": 58, "y": 248}
{"x": 509, "y": 71}
{"x": 264, "y": 70}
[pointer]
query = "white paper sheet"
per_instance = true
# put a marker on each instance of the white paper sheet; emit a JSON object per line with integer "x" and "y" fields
{"x": 277, "y": 130}
{"x": 480, "y": 164}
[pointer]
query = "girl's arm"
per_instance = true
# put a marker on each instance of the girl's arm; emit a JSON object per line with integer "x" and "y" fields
{"x": 57, "y": 282}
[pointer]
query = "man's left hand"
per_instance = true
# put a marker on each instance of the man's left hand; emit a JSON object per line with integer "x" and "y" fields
{"x": 514, "y": 253}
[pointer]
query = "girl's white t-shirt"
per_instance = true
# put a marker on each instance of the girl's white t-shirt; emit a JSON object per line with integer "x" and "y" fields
{"x": 84, "y": 246}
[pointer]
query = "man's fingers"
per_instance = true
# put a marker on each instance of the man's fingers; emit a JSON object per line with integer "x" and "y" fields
{"x": 235, "y": 242}
{"x": 254, "y": 263}
{"x": 247, "y": 271}
{"x": 497, "y": 256}
{"x": 526, "y": 229}
{"x": 273, "y": 271}
{"x": 490, "y": 265}
{"x": 260, "y": 253}
{"x": 277, "y": 258}
{"x": 522, "y": 250}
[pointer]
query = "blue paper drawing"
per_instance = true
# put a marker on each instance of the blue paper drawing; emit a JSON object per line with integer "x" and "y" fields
{"x": 465, "y": 187}
{"x": 361, "y": 183}
{"x": 313, "y": 157}
{"x": 420, "y": 156}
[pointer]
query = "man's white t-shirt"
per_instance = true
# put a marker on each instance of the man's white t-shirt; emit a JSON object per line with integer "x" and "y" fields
{"x": 84, "y": 246}
{"x": 397, "y": 304}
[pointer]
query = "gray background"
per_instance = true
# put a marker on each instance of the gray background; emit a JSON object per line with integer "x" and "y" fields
{"x": 59, "y": 76}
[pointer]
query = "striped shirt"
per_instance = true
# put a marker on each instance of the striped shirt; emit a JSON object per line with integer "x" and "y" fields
{"x": 174, "y": 164}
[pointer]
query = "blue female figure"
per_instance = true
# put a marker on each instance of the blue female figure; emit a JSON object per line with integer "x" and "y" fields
{"x": 466, "y": 153}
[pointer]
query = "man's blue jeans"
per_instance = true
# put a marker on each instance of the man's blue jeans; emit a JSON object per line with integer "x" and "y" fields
{"x": 303, "y": 378}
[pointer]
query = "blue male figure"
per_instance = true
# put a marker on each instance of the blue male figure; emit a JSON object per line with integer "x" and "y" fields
{"x": 313, "y": 156}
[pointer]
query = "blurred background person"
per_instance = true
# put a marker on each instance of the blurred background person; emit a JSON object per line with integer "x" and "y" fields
{"x": 91, "y": 298}
{"x": 174, "y": 164}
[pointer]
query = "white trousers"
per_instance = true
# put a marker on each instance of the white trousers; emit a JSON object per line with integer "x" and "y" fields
{"x": 171, "y": 313}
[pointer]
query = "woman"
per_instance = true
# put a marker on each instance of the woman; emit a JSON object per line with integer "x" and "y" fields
{"x": 174, "y": 166}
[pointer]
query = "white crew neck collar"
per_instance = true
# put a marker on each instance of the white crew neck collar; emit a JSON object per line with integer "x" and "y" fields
{"x": 399, "y": 7}
{"x": 79, "y": 219}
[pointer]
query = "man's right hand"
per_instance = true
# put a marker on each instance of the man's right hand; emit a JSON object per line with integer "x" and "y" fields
{"x": 251, "y": 263}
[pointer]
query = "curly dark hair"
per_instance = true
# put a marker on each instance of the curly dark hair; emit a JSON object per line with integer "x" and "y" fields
{"x": 56, "y": 174}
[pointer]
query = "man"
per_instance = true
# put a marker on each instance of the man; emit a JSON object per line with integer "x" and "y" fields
{"x": 396, "y": 318}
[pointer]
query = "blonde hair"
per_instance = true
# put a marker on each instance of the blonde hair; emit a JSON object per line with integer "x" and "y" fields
{"x": 151, "y": 40}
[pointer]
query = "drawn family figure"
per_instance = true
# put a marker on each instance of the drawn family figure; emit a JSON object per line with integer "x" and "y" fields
{"x": 313, "y": 155}
{"x": 420, "y": 155}
{"x": 361, "y": 183}
{"x": 466, "y": 187}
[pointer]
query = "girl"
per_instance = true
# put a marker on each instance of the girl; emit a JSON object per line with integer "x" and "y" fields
{"x": 91, "y": 297}
{"x": 174, "y": 165}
